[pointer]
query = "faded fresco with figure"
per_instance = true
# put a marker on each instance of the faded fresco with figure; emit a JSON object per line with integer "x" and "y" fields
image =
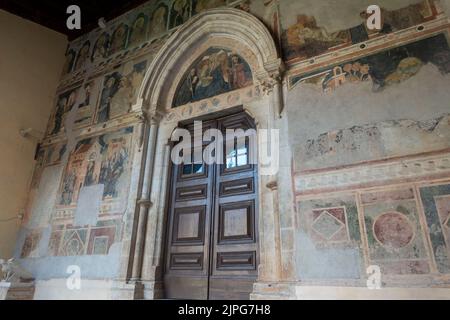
{"x": 83, "y": 55}
{"x": 158, "y": 24}
{"x": 139, "y": 30}
{"x": 101, "y": 47}
{"x": 64, "y": 104}
{"x": 120, "y": 90}
{"x": 199, "y": 6}
{"x": 217, "y": 71}
{"x": 99, "y": 160}
{"x": 306, "y": 38}
{"x": 69, "y": 62}
{"x": 86, "y": 108}
{"x": 180, "y": 13}
{"x": 119, "y": 39}
{"x": 385, "y": 68}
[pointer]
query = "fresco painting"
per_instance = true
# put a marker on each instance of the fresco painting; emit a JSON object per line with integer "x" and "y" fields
{"x": 119, "y": 39}
{"x": 306, "y": 38}
{"x": 119, "y": 92}
{"x": 139, "y": 30}
{"x": 99, "y": 160}
{"x": 101, "y": 48}
{"x": 383, "y": 69}
{"x": 395, "y": 236}
{"x": 217, "y": 71}
{"x": 180, "y": 13}
{"x": 83, "y": 55}
{"x": 330, "y": 222}
{"x": 199, "y": 6}
{"x": 69, "y": 62}
{"x": 31, "y": 245}
{"x": 150, "y": 21}
{"x": 158, "y": 24}
{"x": 54, "y": 154}
{"x": 64, "y": 104}
{"x": 436, "y": 203}
{"x": 86, "y": 109}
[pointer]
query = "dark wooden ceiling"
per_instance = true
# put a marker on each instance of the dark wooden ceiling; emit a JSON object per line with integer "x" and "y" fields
{"x": 52, "y": 13}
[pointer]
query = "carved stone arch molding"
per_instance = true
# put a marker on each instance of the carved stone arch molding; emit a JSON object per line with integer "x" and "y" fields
{"x": 236, "y": 31}
{"x": 230, "y": 28}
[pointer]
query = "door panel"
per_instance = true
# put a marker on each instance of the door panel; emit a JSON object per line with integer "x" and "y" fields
{"x": 212, "y": 246}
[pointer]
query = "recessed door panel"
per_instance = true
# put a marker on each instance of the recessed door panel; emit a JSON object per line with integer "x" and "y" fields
{"x": 212, "y": 246}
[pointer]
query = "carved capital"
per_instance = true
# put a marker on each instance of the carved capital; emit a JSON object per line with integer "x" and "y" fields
{"x": 271, "y": 76}
{"x": 145, "y": 203}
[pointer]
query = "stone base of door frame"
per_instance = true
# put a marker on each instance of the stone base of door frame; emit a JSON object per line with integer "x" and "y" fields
{"x": 273, "y": 291}
{"x": 137, "y": 290}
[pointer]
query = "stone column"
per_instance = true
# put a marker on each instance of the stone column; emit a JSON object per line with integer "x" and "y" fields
{"x": 144, "y": 202}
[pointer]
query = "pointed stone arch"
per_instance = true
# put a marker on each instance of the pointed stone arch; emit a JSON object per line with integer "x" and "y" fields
{"x": 239, "y": 31}
{"x": 244, "y": 34}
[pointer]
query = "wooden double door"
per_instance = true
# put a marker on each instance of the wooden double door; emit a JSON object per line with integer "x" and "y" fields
{"x": 212, "y": 238}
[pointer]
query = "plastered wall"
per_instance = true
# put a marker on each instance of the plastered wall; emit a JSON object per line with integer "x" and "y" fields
{"x": 31, "y": 61}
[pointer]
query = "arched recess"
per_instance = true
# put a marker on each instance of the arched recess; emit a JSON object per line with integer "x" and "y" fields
{"x": 236, "y": 27}
{"x": 231, "y": 29}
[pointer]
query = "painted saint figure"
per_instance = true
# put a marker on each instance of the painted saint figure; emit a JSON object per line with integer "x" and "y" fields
{"x": 138, "y": 33}
{"x": 159, "y": 21}
{"x": 180, "y": 13}
{"x": 110, "y": 89}
{"x": 68, "y": 188}
{"x": 217, "y": 72}
{"x": 239, "y": 74}
{"x": 101, "y": 48}
{"x": 83, "y": 55}
{"x": 119, "y": 39}
{"x": 70, "y": 59}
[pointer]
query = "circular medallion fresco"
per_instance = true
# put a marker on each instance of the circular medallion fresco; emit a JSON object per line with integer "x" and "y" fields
{"x": 393, "y": 229}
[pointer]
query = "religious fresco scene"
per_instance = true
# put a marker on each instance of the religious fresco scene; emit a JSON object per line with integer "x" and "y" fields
{"x": 101, "y": 160}
{"x": 364, "y": 167}
{"x": 120, "y": 91}
{"x": 64, "y": 104}
{"x": 385, "y": 68}
{"x": 306, "y": 38}
{"x": 217, "y": 71}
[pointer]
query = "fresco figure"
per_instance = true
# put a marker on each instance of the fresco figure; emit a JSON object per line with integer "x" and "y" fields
{"x": 89, "y": 180}
{"x": 68, "y": 188}
{"x": 83, "y": 55}
{"x": 136, "y": 78}
{"x": 158, "y": 23}
{"x": 65, "y": 103}
{"x": 119, "y": 39}
{"x": 112, "y": 169}
{"x": 240, "y": 77}
{"x": 100, "y": 48}
{"x": 180, "y": 13}
{"x": 187, "y": 91}
{"x": 68, "y": 64}
{"x": 217, "y": 71}
{"x": 110, "y": 89}
{"x": 211, "y": 79}
{"x": 120, "y": 102}
{"x": 138, "y": 32}
{"x": 202, "y": 5}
